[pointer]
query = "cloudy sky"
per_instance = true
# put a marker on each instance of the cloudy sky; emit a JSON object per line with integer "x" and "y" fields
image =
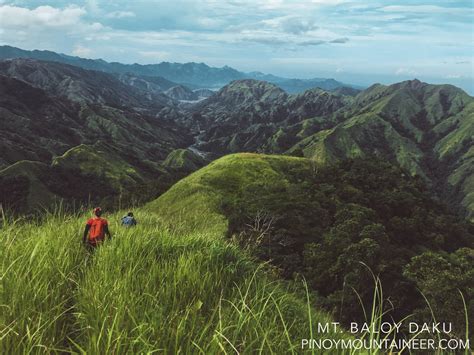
{"x": 355, "y": 41}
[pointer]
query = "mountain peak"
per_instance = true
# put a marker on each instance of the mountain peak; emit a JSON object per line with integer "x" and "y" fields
{"x": 252, "y": 84}
{"x": 413, "y": 84}
{"x": 250, "y": 90}
{"x": 181, "y": 93}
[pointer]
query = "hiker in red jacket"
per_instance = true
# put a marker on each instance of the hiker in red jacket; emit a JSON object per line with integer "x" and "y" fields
{"x": 96, "y": 230}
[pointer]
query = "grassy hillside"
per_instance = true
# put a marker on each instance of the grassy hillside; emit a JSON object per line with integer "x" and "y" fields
{"x": 85, "y": 129}
{"x": 22, "y": 184}
{"x": 184, "y": 160}
{"x": 99, "y": 161}
{"x": 206, "y": 189}
{"x": 251, "y": 115}
{"x": 322, "y": 221}
{"x": 149, "y": 289}
{"x": 364, "y": 136}
{"x": 175, "y": 283}
{"x": 91, "y": 174}
{"x": 427, "y": 129}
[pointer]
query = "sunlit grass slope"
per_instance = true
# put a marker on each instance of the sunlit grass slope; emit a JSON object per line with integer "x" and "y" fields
{"x": 204, "y": 192}
{"x": 151, "y": 288}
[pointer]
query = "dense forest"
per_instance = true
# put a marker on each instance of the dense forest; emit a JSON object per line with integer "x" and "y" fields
{"x": 337, "y": 224}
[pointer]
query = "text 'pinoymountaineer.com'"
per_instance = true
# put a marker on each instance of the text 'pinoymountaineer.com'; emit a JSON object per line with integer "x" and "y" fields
{"x": 386, "y": 336}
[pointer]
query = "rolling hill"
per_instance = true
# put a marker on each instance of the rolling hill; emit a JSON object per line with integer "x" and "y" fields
{"x": 148, "y": 84}
{"x": 181, "y": 93}
{"x": 248, "y": 115}
{"x": 147, "y": 290}
{"x": 323, "y": 221}
{"x": 49, "y": 108}
{"x": 80, "y": 85}
{"x": 38, "y": 125}
{"x": 83, "y": 128}
{"x": 427, "y": 129}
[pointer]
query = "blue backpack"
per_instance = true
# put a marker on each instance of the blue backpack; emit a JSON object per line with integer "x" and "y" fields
{"x": 128, "y": 221}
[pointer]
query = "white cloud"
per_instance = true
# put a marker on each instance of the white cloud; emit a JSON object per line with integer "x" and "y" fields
{"x": 291, "y": 24}
{"x": 330, "y": 2}
{"x": 81, "y": 51}
{"x": 42, "y": 16}
{"x": 209, "y": 23}
{"x": 93, "y": 6}
{"x": 283, "y": 6}
{"x": 120, "y": 14}
{"x": 340, "y": 40}
{"x": 47, "y": 27}
{"x": 422, "y": 9}
{"x": 406, "y": 71}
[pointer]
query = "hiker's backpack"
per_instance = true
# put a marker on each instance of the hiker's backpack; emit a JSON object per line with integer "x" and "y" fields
{"x": 128, "y": 221}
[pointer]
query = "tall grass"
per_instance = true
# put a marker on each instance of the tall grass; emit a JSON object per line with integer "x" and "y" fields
{"x": 40, "y": 265}
{"x": 154, "y": 288}
{"x": 379, "y": 312}
{"x": 147, "y": 290}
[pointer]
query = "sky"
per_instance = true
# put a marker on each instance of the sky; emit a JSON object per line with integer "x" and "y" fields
{"x": 354, "y": 41}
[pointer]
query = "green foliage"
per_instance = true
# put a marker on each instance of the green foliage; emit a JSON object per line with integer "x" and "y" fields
{"x": 426, "y": 129}
{"x": 323, "y": 221}
{"x": 439, "y": 276}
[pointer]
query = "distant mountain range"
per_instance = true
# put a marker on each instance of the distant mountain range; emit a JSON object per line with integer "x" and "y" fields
{"x": 67, "y": 132}
{"x": 250, "y": 115}
{"x": 426, "y": 129}
{"x": 82, "y": 85}
{"x": 63, "y": 126}
{"x": 193, "y": 75}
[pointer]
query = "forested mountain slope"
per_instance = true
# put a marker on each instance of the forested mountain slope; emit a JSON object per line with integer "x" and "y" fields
{"x": 322, "y": 221}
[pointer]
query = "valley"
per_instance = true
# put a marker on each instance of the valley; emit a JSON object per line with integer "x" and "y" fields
{"x": 426, "y": 129}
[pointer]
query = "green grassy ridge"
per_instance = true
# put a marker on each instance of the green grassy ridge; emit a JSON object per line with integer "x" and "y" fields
{"x": 172, "y": 284}
{"x": 326, "y": 219}
{"x": 456, "y": 150}
{"x": 204, "y": 190}
{"x": 98, "y": 173}
{"x": 98, "y": 161}
{"x": 184, "y": 160}
{"x": 24, "y": 186}
{"x": 427, "y": 129}
{"x": 148, "y": 289}
{"x": 363, "y": 136}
